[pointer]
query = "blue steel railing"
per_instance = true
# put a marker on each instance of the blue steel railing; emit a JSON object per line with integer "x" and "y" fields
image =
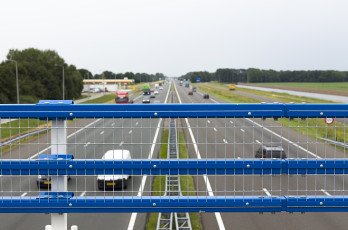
{"x": 66, "y": 202}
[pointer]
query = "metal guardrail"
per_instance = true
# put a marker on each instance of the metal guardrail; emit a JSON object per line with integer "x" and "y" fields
{"x": 173, "y": 188}
{"x": 59, "y": 164}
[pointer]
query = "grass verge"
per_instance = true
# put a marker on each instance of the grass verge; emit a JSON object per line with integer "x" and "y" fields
{"x": 159, "y": 182}
{"x": 313, "y": 127}
{"x": 107, "y": 98}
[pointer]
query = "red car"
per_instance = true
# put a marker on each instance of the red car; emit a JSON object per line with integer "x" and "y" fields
{"x": 190, "y": 92}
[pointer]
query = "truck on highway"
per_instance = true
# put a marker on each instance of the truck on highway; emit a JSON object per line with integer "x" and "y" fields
{"x": 231, "y": 86}
{"x": 187, "y": 84}
{"x": 122, "y": 97}
{"x": 156, "y": 86}
{"x": 146, "y": 90}
{"x": 180, "y": 83}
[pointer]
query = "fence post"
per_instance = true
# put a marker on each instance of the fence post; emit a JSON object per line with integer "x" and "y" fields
{"x": 59, "y": 183}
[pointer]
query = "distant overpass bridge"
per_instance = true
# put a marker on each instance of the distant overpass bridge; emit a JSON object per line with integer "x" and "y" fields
{"x": 109, "y": 84}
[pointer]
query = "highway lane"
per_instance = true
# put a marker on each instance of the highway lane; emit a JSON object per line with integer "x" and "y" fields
{"x": 133, "y": 134}
{"x": 255, "y": 184}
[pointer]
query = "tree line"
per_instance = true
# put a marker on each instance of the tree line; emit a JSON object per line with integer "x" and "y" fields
{"x": 40, "y": 75}
{"x": 253, "y": 75}
{"x": 138, "y": 77}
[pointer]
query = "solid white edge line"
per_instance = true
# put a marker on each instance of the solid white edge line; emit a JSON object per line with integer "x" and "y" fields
{"x": 143, "y": 180}
{"x": 258, "y": 141}
{"x": 205, "y": 177}
{"x": 267, "y": 192}
{"x": 325, "y": 192}
{"x": 276, "y": 134}
{"x": 102, "y": 132}
{"x": 47, "y": 148}
{"x": 242, "y": 130}
{"x": 24, "y": 194}
{"x": 83, "y": 194}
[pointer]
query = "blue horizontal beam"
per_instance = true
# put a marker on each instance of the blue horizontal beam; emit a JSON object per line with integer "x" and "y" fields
{"x": 71, "y": 111}
{"x": 107, "y": 204}
{"x": 70, "y": 166}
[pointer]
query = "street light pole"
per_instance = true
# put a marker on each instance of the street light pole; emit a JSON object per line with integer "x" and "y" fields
{"x": 17, "y": 83}
{"x": 63, "y": 83}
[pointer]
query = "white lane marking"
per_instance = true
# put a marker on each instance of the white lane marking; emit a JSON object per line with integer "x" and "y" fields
{"x": 24, "y": 194}
{"x": 113, "y": 124}
{"x": 224, "y": 140}
{"x": 208, "y": 121}
{"x": 78, "y": 131}
{"x": 231, "y": 122}
{"x": 267, "y": 192}
{"x": 242, "y": 130}
{"x": 215, "y": 129}
{"x": 205, "y": 177}
{"x": 130, "y": 131}
{"x": 137, "y": 123}
{"x": 276, "y": 134}
{"x": 121, "y": 143}
{"x": 83, "y": 194}
{"x": 102, "y": 132}
{"x": 87, "y": 144}
{"x": 285, "y": 139}
{"x": 143, "y": 180}
{"x": 258, "y": 141}
{"x": 325, "y": 192}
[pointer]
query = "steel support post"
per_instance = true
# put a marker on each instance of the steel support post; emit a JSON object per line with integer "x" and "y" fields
{"x": 59, "y": 183}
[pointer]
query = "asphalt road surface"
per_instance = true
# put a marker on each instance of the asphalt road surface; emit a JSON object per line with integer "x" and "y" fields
{"x": 89, "y": 142}
{"x": 240, "y": 138}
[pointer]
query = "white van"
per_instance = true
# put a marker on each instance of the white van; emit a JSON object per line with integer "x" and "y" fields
{"x": 106, "y": 182}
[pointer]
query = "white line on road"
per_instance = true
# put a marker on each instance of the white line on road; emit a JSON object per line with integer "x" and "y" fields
{"x": 87, "y": 144}
{"x": 143, "y": 180}
{"x": 242, "y": 130}
{"x": 208, "y": 121}
{"x": 231, "y": 122}
{"x": 47, "y": 148}
{"x": 215, "y": 129}
{"x": 130, "y": 131}
{"x": 258, "y": 141}
{"x": 224, "y": 140}
{"x": 24, "y": 194}
{"x": 137, "y": 123}
{"x": 267, "y": 192}
{"x": 276, "y": 134}
{"x": 121, "y": 143}
{"x": 83, "y": 194}
{"x": 113, "y": 124}
{"x": 102, "y": 132}
{"x": 205, "y": 177}
{"x": 325, "y": 192}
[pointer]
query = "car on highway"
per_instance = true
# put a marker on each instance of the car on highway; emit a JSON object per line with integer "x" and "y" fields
{"x": 111, "y": 182}
{"x": 194, "y": 89}
{"x": 44, "y": 181}
{"x": 270, "y": 152}
{"x": 205, "y": 96}
{"x": 160, "y": 88}
{"x": 152, "y": 96}
{"x": 155, "y": 92}
{"x": 146, "y": 100}
{"x": 190, "y": 92}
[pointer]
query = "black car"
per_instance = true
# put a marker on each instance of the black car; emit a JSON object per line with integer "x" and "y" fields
{"x": 152, "y": 96}
{"x": 44, "y": 181}
{"x": 205, "y": 96}
{"x": 270, "y": 152}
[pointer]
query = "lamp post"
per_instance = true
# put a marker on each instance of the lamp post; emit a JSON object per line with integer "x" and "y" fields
{"x": 17, "y": 83}
{"x": 63, "y": 80}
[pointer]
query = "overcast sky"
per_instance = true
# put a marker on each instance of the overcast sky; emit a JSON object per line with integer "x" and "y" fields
{"x": 178, "y": 36}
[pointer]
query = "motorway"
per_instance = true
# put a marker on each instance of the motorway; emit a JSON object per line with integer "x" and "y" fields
{"x": 89, "y": 139}
{"x": 206, "y": 138}
{"x": 240, "y": 138}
